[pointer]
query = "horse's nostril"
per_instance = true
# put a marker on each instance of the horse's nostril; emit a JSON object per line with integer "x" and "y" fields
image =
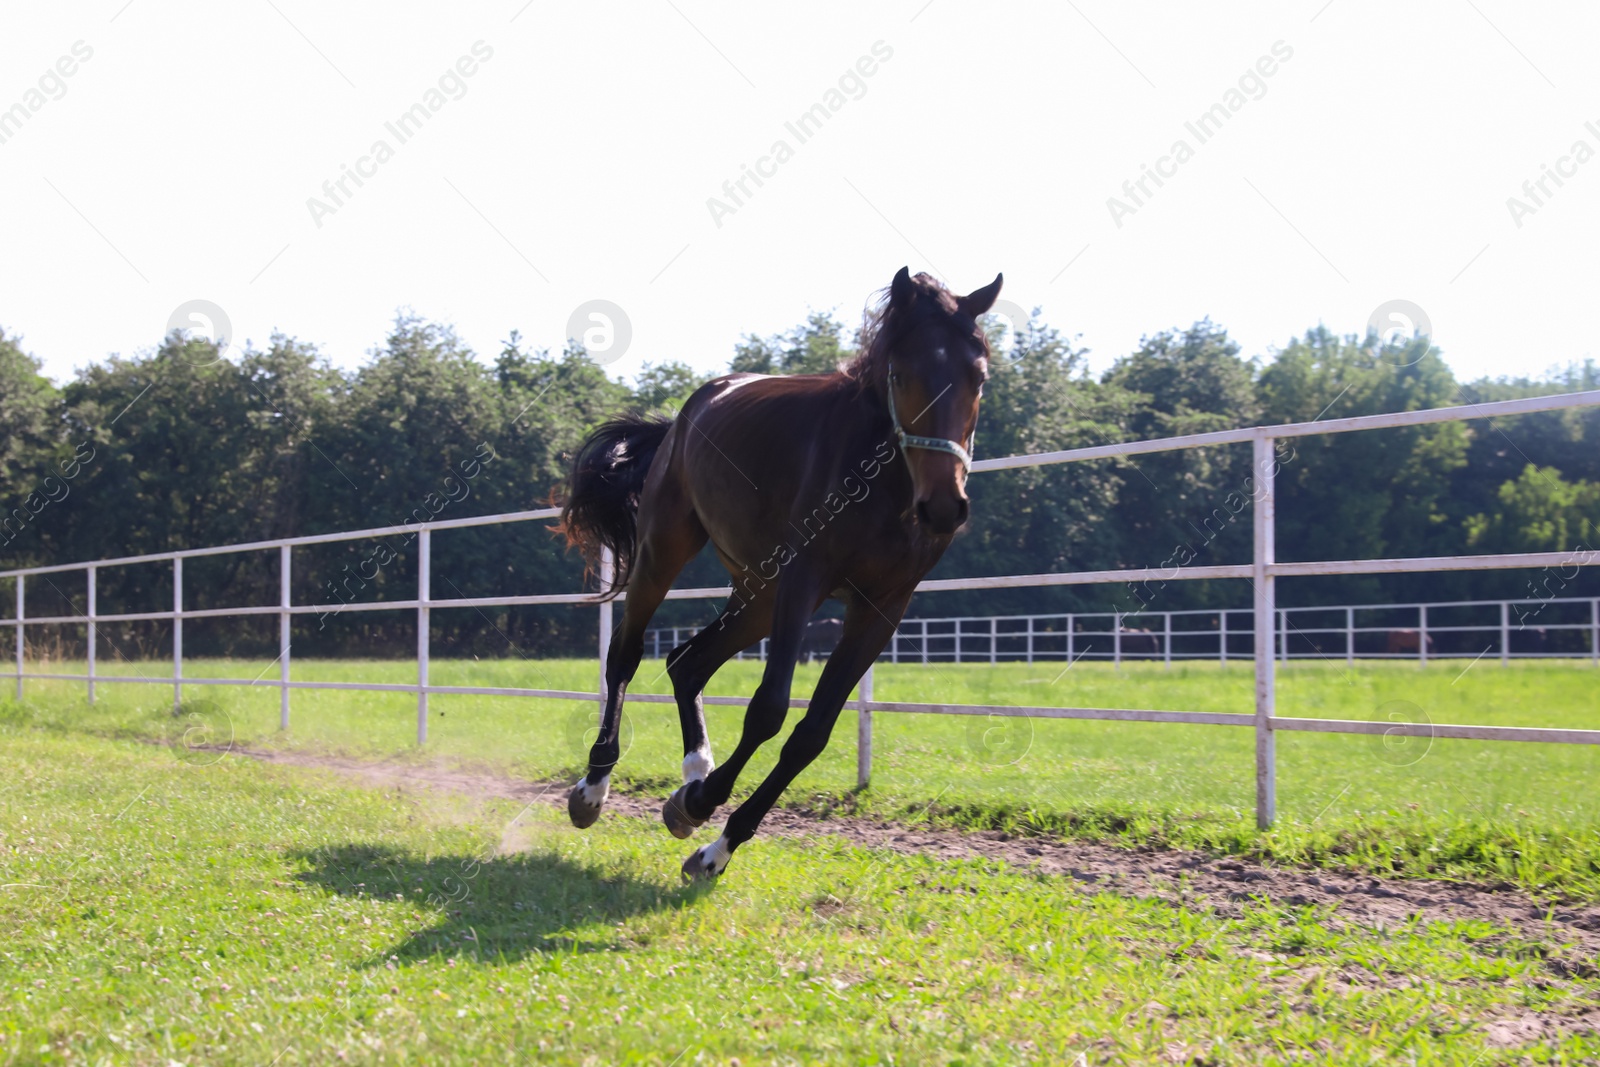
{"x": 942, "y": 514}
{"x": 963, "y": 509}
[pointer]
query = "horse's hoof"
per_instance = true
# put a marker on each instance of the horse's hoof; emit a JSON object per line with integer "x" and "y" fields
{"x": 705, "y": 864}
{"x": 676, "y": 815}
{"x": 585, "y": 802}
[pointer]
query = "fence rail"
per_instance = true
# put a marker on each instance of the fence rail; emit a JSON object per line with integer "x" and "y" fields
{"x": 1218, "y": 634}
{"x": 1263, "y": 572}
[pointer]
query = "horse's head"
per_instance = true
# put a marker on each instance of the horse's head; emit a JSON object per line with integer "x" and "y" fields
{"x": 935, "y": 361}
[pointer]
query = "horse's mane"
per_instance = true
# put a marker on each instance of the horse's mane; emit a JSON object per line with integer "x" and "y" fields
{"x": 883, "y": 323}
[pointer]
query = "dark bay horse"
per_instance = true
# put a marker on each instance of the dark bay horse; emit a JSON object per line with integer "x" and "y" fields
{"x": 849, "y": 485}
{"x": 821, "y": 638}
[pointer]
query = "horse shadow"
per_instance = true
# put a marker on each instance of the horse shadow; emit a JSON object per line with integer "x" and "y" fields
{"x": 497, "y": 909}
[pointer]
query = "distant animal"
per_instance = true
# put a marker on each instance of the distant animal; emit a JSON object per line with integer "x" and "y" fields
{"x": 1403, "y": 641}
{"x": 1140, "y": 642}
{"x": 822, "y": 637}
{"x": 848, "y": 485}
{"x": 1134, "y": 642}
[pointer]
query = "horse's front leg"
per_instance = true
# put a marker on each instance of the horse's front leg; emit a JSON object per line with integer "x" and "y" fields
{"x": 696, "y": 801}
{"x": 867, "y": 630}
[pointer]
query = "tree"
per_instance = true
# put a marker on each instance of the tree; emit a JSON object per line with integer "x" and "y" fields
{"x": 1039, "y": 398}
{"x": 1540, "y": 511}
{"x": 665, "y": 386}
{"x": 817, "y": 346}
{"x": 1189, "y": 505}
{"x": 179, "y": 447}
{"x": 31, "y": 441}
{"x": 1501, "y": 448}
{"x": 1368, "y": 494}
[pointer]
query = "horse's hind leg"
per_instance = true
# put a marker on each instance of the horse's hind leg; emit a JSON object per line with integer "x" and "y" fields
{"x": 742, "y": 623}
{"x": 669, "y": 537}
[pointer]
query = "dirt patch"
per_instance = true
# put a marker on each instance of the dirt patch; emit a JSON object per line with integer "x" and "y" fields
{"x": 1569, "y": 934}
{"x": 1530, "y": 1029}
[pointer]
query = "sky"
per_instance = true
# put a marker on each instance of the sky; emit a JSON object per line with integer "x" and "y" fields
{"x": 1359, "y": 154}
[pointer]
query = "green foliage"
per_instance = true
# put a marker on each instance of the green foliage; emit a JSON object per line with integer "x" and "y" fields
{"x": 29, "y": 413}
{"x": 1039, "y": 398}
{"x": 816, "y": 346}
{"x": 1361, "y": 495}
{"x": 180, "y": 447}
{"x": 1539, "y": 512}
{"x": 665, "y": 386}
{"x": 1187, "y": 505}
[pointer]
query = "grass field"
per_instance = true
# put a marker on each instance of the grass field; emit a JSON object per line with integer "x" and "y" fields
{"x": 160, "y": 910}
{"x": 1525, "y": 813}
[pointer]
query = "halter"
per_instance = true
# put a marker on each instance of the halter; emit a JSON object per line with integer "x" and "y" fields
{"x": 931, "y": 444}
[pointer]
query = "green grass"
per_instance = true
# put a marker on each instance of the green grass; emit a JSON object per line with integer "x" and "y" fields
{"x": 156, "y": 910}
{"x": 1497, "y": 811}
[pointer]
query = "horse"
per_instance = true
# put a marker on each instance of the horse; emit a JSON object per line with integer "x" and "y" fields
{"x": 822, "y": 637}
{"x": 1140, "y": 642}
{"x": 850, "y": 485}
{"x": 1400, "y": 642}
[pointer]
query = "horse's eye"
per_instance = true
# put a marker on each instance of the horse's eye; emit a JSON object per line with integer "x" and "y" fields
{"x": 894, "y": 379}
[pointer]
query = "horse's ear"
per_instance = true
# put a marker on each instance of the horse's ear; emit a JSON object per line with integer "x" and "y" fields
{"x": 980, "y": 301}
{"x": 902, "y": 291}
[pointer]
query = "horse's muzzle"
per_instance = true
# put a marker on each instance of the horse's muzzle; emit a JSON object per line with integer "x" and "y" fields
{"x": 943, "y": 514}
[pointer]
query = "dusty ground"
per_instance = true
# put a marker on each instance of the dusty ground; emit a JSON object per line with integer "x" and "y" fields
{"x": 1190, "y": 878}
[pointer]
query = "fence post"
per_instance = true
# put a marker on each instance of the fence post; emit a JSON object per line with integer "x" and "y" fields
{"x": 92, "y": 611}
{"x": 177, "y": 631}
{"x": 424, "y": 576}
{"x": 607, "y": 571}
{"x": 283, "y": 636}
{"x": 1116, "y": 639}
{"x": 1030, "y": 638}
{"x": 1265, "y": 603}
{"x": 20, "y": 603}
{"x": 1222, "y": 635}
{"x": 1350, "y": 636}
{"x": 994, "y": 639}
{"x": 1070, "y": 650}
{"x": 1594, "y": 629}
{"x": 1166, "y": 639}
{"x": 1283, "y": 636}
{"x": 1505, "y": 632}
{"x": 1422, "y": 635}
{"x": 924, "y": 640}
{"x": 864, "y": 731}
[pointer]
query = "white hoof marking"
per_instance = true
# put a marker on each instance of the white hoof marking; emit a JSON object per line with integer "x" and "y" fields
{"x": 713, "y": 858}
{"x": 594, "y": 794}
{"x": 697, "y": 764}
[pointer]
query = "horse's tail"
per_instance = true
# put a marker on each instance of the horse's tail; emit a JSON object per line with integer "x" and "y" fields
{"x": 600, "y": 500}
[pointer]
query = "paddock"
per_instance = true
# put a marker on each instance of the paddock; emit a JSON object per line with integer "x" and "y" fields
{"x": 1059, "y": 861}
{"x": 1269, "y": 628}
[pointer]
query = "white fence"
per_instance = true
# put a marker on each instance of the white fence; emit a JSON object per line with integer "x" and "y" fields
{"x": 1223, "y": 634}
{"x": 1263, "y": 572}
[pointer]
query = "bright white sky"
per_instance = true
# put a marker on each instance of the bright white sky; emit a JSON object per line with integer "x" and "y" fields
{"x": 1377, "y": 166}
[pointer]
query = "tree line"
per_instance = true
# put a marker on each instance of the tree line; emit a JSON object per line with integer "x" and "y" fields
{"x": 180, "y": 447}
